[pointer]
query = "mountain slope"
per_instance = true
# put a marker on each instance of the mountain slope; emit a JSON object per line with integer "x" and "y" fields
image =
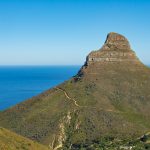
{"x": 12, "y": 141}
{"x": 108, "y": 99}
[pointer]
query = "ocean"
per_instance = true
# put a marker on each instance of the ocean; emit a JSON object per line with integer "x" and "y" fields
{"x": 18, "y": 83}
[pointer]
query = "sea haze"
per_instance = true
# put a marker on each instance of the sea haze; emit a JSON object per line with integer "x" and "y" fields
{"x": 18, "y": 83}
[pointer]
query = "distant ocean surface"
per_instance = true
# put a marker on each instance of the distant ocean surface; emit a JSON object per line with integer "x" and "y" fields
{"x": 18, "y": 83}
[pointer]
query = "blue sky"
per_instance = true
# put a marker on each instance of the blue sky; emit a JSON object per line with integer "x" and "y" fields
{"x": 63, "y": 32}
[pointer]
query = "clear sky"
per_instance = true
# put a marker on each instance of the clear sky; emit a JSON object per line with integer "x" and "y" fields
{"x": 63, "y": 32}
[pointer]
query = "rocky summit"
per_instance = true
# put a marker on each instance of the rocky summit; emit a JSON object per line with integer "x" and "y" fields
{"x": 115, "y": 49}
{"x": 105, "y": 106}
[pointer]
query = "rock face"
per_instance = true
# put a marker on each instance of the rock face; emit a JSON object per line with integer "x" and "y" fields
{"x": 115, "y": 49}
{"x": 117, "y": 41}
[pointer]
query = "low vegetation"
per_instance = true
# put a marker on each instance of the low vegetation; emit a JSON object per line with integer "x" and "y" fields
{"x": 12, "y": 141}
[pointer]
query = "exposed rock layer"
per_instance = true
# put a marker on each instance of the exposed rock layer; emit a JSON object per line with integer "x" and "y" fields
{"x": 115, "y": 49}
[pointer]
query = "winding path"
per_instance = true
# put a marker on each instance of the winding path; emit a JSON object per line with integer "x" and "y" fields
{"x": 77, "y": 105}
{"x": 68, "y": 97}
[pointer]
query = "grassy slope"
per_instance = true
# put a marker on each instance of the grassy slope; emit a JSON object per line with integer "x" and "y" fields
{"x": 39, "y": 117}
{"x": 12, "y": 141}
{"x": 114, "y": 102}
{"x": 120, "y": 95}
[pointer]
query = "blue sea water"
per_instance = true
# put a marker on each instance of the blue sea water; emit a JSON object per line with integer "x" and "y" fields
{"x": 18, "y": 83}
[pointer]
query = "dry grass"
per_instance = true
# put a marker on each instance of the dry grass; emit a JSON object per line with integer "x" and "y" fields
{"x": 12, "y": 141}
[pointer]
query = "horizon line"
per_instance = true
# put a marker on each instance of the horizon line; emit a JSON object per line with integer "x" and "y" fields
{"x": 41, "y": 65}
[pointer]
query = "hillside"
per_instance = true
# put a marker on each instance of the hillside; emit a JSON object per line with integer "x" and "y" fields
{"x": 108, "y": 100}
{"x": 12, "y": 141}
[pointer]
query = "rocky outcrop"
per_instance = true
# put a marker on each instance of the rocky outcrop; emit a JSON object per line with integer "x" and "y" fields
{"x": 115, "y": 49}
{"x": 118, "y": 41}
